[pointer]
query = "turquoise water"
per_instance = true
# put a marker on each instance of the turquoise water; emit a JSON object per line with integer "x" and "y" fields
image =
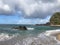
{"x": 10, "y": 36}
{"x": 36, "y": 29}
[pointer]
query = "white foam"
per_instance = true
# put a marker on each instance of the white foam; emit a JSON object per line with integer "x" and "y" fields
{"x": 52, "y": 32}
{"x": 4, "y": 37}
{"x": 30, "y": 28}
{"x": 39, "y": 41}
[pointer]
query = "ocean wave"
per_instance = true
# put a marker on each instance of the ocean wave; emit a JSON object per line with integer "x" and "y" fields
{"x": 39, "y": 41}
{"x": 4, "y": 36}
{"x": 7, "y": 39}
{"x": 44, "y": 38}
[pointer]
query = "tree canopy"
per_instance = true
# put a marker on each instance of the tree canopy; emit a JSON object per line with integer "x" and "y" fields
{"x": 55, "y": 19}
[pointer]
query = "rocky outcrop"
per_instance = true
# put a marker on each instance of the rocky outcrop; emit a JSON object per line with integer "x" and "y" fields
{"x": 21, "y": 28}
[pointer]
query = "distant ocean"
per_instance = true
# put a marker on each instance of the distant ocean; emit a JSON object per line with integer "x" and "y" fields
{"x": 35, "y": 35}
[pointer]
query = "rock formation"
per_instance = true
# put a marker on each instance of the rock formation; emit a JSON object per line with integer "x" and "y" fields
{"x": 21, "y": 28}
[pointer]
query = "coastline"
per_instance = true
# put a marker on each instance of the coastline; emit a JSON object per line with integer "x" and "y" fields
{"x": 47, "y": 25}
{"x": 55, "y": 25}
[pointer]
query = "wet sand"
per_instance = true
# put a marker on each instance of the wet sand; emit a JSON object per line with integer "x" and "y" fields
{"x": 58, "y": 36}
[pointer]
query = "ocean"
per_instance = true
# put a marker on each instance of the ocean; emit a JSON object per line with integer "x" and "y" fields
{"x": 35, "y": 35}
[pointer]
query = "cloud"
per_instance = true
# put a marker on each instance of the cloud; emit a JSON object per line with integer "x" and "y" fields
{"x": 49, "y": 1}
{"x": 4, "y": 8}
{"x": 39, "y": 8}
{"x": 30, "y": 8}
{"x": 7, "y": 7}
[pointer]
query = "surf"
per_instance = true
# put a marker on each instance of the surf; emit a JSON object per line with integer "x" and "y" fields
{"x": 28, "y": 28}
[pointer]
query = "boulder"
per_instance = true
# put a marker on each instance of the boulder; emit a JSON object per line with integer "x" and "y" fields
{"x": 21, "y": 28}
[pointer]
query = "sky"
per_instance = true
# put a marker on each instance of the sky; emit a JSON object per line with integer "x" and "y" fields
{"x": 27, "y": 11}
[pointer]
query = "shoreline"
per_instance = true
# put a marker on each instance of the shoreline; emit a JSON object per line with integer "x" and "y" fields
{"x": 54, "y": 25}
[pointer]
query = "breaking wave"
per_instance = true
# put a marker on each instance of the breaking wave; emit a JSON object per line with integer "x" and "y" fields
{"x": 4, "y": 36}
{"x": 44, "y": 38}
{"x": 30, "y": 28}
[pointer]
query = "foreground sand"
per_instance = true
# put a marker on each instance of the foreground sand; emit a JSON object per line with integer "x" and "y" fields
{"x": 58, "y": 36}
{"x": 54, "y": 25}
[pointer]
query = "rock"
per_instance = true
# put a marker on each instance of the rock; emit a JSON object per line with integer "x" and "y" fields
{"x": 21, "y": 28}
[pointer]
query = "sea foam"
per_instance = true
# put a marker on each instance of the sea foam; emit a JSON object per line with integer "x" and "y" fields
{"x": 52, "y": 32}
{"x": 4, "y": 36}
{"x": 28, "y": 28}
{"x": 44, "y": 38}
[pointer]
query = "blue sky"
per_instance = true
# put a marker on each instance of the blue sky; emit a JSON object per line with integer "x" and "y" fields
{"x": 14, "y": 19}
{"x": 27, "y": 11}
{"x": 8, "y": 19}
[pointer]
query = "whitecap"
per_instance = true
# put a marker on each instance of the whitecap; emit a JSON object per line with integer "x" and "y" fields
{"x": 28, "y": 28}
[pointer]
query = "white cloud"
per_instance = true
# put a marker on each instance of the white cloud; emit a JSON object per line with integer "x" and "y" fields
{"x": 30, "y": 8}
{"x": 4, "y": 8}
{"x": 38, "y": 9}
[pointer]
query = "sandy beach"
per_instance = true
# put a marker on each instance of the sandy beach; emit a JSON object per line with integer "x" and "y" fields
{"x": 54, "y": 25}
{"x": 58, "y": 36}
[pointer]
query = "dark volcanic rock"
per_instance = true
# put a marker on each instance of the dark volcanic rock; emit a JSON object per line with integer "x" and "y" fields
{"x": 21, "y": 28}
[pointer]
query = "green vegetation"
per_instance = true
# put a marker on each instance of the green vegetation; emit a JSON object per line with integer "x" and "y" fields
{"x": 55, "y": 19}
